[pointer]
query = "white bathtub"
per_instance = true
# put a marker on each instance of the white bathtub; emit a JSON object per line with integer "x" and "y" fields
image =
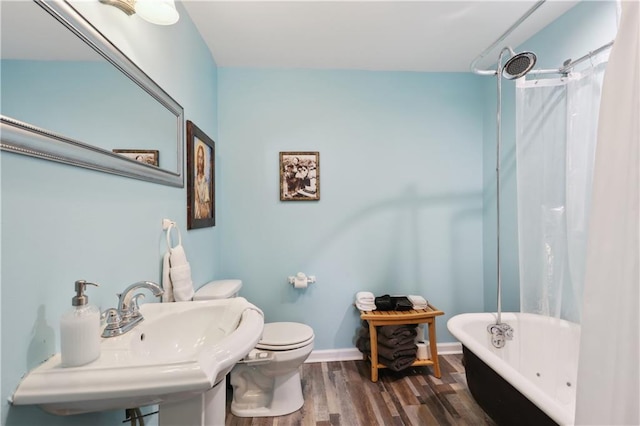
{"x": 541, "y": 361}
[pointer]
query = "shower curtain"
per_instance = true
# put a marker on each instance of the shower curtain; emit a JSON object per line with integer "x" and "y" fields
{"x": 556, "y": 126}
{"x": 608, "y": 387}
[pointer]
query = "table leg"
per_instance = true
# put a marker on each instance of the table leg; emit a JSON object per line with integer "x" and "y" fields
{"x": 373, "y": 336}
{"x": 434, "y": 348}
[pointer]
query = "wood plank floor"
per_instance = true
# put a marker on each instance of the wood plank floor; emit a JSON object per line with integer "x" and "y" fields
{"x": 341, "y": 393}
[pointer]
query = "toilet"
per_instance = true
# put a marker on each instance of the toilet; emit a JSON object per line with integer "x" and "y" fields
{"x": 266, "y": 383}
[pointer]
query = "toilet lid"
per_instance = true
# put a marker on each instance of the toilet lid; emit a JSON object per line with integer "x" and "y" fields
{"x": 281, "y": 335}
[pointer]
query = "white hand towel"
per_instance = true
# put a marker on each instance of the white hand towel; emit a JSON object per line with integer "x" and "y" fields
{"x": 167, "y": 296}
{"x": 418, "y": 302}
{"x": 181, "y": 282}
{"x": 366, "y": 306}
{"x": 176, "y": 272}
{"x": 365, "y": 296}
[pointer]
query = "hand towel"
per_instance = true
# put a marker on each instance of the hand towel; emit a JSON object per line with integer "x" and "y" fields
{"x": 177, "y": 282}
{"x": 365, "y": 296}
{"x": 181, "y": 282}
{"x": 418, "y": 302}
{"x": 167, "y": 296}
{"x": 365, "y": 307}
{"x": 365, "y": 301}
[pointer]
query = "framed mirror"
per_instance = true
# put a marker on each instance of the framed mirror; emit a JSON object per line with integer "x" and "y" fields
{"x": 69, "y": 95}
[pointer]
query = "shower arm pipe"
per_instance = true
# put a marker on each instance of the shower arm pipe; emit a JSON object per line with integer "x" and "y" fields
{"x": 474, "y": 64}
{"x": 570, "y": 64}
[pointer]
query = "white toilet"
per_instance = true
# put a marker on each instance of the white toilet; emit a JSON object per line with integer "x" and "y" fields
{"x": 266, "y": 383}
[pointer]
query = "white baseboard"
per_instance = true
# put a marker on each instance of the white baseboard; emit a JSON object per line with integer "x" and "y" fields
{"x": 352, "y": 354}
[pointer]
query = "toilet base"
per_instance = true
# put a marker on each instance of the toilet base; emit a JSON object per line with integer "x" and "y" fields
{"x": 287, "y": 398}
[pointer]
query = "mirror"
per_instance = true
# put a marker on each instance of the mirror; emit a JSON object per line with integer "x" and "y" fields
{"x": 69, "y": 95}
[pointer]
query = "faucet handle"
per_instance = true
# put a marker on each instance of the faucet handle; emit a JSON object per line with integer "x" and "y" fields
{"x": 134, "y": 307}
{"x": 111, "y": 316}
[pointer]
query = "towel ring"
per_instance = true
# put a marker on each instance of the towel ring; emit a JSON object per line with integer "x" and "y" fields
{"x": 173, "y": 226}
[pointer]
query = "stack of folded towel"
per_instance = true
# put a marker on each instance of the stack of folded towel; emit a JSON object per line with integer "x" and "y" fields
{"x": 418, "y": 302}
{"x": 396, "y": 344}
{"x": 393, "y": 303}
{"x": 365, "y": 301}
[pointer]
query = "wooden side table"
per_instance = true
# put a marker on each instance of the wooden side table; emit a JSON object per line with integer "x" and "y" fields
{"x": 414, "y": 316}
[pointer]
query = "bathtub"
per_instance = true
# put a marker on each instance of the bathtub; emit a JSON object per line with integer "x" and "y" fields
{"x": 533, "y": 378}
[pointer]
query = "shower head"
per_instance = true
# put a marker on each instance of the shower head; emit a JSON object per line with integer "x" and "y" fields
{"x": 519, "y": 65}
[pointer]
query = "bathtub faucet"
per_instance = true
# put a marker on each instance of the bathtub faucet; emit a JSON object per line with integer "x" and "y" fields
{"x": 500, "y": 333}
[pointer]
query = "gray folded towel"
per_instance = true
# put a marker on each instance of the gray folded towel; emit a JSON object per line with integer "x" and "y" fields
{"x": 399, "y": 352}
{"x": 398, "y": 331}
{"x": 398, "y": 364}
{"x": 410, "y": 349}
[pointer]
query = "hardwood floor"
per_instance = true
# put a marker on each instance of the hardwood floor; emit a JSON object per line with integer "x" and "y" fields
{"x": 341, "y": 393}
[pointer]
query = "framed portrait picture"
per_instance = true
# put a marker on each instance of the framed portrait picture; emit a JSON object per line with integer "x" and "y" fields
{"x": 200, "y": 178}
{"x": 147, "y": 156}
{"x": 299, "y": 176}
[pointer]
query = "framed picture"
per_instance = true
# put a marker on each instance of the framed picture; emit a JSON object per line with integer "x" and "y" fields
{"x": 299, "y": 176}
{"x": 201, "y": 211}
{"x": 147, "y": 156}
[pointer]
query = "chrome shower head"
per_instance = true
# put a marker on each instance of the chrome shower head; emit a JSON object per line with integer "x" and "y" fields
{"x": 519, "y": 65}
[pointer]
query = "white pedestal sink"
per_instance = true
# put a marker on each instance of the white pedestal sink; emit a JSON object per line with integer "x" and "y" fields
{"x": 177, "y": 354}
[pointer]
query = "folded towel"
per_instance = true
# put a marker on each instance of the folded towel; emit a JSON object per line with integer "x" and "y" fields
{"x": 398, "y": 364}
{"x": 393, "y": 303}
{"x": 383, "y": 340}
{"x": 398, "y": 331}
{"x": 365, "y": 306}
{"x": 418, "y": 302}
{"x": 398, "y": 352}
{"x": 365, "y": 296}
{"x": 409, "y": 349}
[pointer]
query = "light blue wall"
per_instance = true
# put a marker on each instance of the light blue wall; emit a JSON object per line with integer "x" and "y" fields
{"x": 406, "y": 163}
{"x": 61, "y": 223}
{"x": 401, "y": 192}
{"x": 583, "y": 28}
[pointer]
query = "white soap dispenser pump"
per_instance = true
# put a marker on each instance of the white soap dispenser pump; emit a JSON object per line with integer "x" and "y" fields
{"x": 80, "y": 330}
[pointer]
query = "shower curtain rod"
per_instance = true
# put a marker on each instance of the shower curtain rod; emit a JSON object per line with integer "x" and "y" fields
{"x": 569, "y": 64}
{"x": 566, "y": 67}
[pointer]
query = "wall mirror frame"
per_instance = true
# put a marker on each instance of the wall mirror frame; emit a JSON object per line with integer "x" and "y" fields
{"x": 23, "y": 138}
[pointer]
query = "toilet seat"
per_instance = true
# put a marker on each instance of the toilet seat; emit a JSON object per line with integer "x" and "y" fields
{"x": 284, "y": 336}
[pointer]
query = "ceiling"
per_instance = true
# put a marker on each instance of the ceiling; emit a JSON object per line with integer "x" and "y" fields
{"x": 430, "y": 36}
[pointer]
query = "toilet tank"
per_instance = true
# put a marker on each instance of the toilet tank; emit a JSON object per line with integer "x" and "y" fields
{"x": 218, "y": 289}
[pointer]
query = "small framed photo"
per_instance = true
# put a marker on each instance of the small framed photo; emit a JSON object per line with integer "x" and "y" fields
{"x": 299, "y": 176}
{"x": 146, "y": 156}
{"x": 200, "y": 178}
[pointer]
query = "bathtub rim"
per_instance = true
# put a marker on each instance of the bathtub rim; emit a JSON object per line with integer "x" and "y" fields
{"x": 456, "y": 324}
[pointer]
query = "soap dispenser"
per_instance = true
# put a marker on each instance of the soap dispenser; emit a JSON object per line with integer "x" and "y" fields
{"x": 80, "y": 330}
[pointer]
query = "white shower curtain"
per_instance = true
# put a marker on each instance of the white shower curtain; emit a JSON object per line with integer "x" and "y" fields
{"x": 556, "y": 125}
{"x": 608, "y": 369}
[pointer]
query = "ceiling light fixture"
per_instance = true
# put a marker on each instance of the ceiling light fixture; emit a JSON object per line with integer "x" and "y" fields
{"x": 159, "y": 12}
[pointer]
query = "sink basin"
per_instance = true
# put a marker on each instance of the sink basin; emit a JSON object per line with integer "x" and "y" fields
{"x": 180, "y": 350}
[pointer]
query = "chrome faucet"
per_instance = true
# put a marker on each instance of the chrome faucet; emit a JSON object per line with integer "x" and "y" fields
{"x": 127, "y": 315}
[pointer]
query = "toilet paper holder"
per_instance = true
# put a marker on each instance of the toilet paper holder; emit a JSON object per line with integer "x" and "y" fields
{"x": 300, "y": 280}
